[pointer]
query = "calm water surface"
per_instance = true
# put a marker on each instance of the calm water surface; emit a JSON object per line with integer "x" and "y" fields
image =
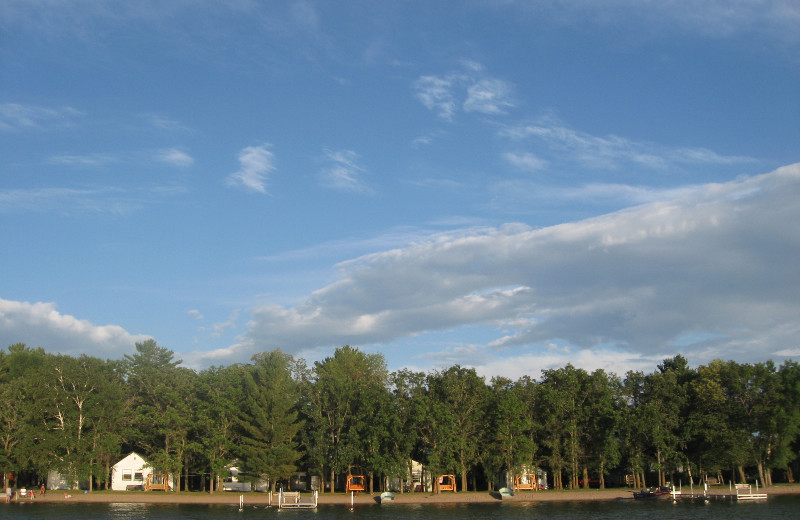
{"x": 778, "y": 507}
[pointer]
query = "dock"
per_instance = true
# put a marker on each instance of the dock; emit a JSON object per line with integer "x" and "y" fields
{"x": 741, "y": 492}
{"x": 294, "y": 500}
{"x": 749, "y": 495}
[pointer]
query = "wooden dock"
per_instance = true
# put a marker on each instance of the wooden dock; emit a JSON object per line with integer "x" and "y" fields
{"x": 294, "y": 500}
{"x": 745, "y": 492}
{"x": 740, "y": 492}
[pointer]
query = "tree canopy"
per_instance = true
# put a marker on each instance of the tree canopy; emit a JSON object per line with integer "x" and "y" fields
{"x": 347, "y": 414}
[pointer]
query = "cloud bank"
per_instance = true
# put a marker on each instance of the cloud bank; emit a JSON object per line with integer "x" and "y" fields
{"x": 712, "y": 273}
{"x": 41, "y": 325}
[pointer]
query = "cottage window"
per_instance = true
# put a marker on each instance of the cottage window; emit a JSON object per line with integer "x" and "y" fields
{"x": 138, "y": 476}
{"x": 127, "y": 474}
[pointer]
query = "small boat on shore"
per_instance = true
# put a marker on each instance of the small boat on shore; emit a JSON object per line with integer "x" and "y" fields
{"x": 652, "y": 493}
{"x": 506, "y": 493}
{"x": 387, "y": 497}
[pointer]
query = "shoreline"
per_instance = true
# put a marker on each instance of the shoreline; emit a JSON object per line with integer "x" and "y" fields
{"x": 263, "y": 499}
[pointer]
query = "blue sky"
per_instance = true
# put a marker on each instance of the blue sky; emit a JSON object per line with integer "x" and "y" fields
{"x": 506, "y": 185}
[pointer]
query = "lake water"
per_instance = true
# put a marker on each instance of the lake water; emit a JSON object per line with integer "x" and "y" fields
{"x": 778, "y": 507}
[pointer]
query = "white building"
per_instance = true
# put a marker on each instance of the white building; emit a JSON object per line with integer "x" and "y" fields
{"x": 131, "y": 473}
{"x": 234, "y": 482}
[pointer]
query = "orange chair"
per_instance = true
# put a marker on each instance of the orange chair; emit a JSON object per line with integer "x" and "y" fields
{"x": 355, "y": 483}
{"x": 447, "y": 483}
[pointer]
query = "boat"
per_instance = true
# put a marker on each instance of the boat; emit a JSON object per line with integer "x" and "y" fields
{"x": 387, "y": 497}
{"x": 506, "y": 493}
{"x": 654, "y": 492}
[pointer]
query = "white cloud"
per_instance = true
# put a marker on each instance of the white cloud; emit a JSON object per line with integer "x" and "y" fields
{"x": 523, "y": 196}
{"x": 166, "y": 124}
{"x": 255, "y": 165}
{"x": 15, "y": 116}
{"x": 73, "y": 201}
{"x": 70, "y": 200}
{"x": 41, "y": 325}
{"x": 344, "y": 171}
{"x": 435, "y": 93}
{"x": 488, "y": 96}
{"x": 768, "y": 20}
{"x": 525, "y": 161}
{"x": 175, "y": 157}
{"x": 89, "y": 160}
{"x": 442, "y": 94}
{"x": 717, "y": 264}
{"x": 531, "y": 364}
{"x": 220, "y": 328}
{"x": 611, "y": 151}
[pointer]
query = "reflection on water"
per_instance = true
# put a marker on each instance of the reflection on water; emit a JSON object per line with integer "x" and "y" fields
{"x": 778, "y": 507}
{"x": 127, "y": 511}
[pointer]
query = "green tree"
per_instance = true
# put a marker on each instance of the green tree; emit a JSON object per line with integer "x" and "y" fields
{"x": 21, "y": 426}
{"x": 158, "y": 393}
{"x": 81, "y": 398}
{"x": 219, "y": 396}
{"x": 633, "y": 427}
{"x": 601, "y": 419}
{"x": 664, "y": 409}
{"x": 338, "y": 391}
{"x": 462, "y": 397}
{"x": 508, "y": 443}
{"x": 269, "y": 418}
{"x": 410, "y": 399}
{"x": 562, "y": 397}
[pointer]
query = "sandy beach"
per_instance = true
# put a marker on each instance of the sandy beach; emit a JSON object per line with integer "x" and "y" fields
{"x": 366, "y": 498}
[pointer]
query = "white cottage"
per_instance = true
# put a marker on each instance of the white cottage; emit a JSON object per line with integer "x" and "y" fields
{"x": 131, "y": 473}
{"x": 233, "y": 481}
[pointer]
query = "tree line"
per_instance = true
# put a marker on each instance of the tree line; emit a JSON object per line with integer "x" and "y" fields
{"x": 347, "y": 414}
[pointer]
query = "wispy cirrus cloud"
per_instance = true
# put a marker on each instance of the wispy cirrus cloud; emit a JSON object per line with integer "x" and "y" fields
{"x": 255, "y": 165}
{"x": 436, "y": 94}
{"x": 77, "y": 201}
{"x": 469, "y": 90}
{"x": 166, "y": 124}
{"x": 525, "y": 161}
{"x": 488, "y": 96}
{"x": 87, "y": 160}
{"x": 611, "y": 151}
{"x": 773, "y": 21}
{"x": 175, "y": 157}
{"x": 344, "y": 171}
{"x": 16, "y": 116}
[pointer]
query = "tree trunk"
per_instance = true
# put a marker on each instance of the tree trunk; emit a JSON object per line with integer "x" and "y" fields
{"x": 602, "y": 477}
{"x": 742, "y": 478}
{"x": 585, "y": 477}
